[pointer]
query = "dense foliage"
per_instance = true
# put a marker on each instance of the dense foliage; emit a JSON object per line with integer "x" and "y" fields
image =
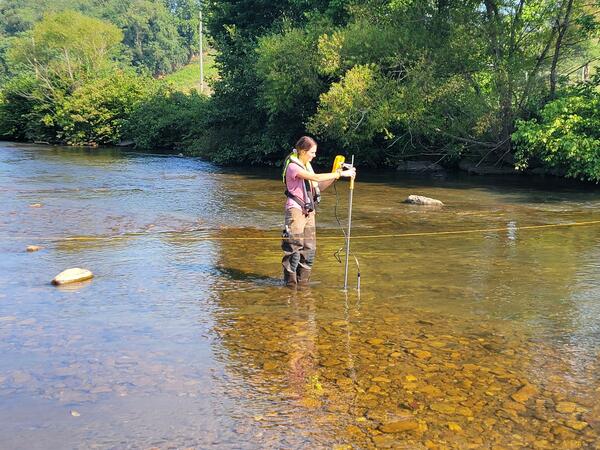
{"x": 566, "y": 136}
{"x": 158, "y": 35}
{"x": 166, "y": 120}
{"x": 390, "y": 80}
{"x": 82, "y": 79}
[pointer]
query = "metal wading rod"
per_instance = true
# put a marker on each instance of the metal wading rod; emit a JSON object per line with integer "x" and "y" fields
{"x": 349, "y": 228}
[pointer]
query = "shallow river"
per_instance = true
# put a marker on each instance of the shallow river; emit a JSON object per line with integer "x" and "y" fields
{"x": 185, "y": 338}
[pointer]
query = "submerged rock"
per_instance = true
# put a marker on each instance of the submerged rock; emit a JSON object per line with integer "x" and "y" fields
{"x": 72, "y": 275}
{"x": 399, "y": 426}
{"x": 420, "y": 200}
{"x": 525, "y": 393}
{"x": 33, "y": 248}
{"x": 566, "y": 407}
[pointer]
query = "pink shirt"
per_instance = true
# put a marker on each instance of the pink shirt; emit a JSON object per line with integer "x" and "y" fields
{"x": 294, "y": 185}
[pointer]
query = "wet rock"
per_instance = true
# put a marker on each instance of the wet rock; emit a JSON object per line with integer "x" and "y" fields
{"x": 464, "y": 411}
{"x": 384, "y": 441}
{"x": 489, "y": 422}
{"x": 375, "y": 389}
{"x": 525, "y": 393}
{"x": 443, "y": 408}
{"x": 269, "y": 365}
{"x": 514, "y": 406}
{"x": 424, "y": 201}
{"x": 72, "y": 276}
{"x": 566, "y": 407}
{"x": 35, "y": 205}
{"x": 75, "y": 413}
{"x": 421, "y": 354}
{"x": 399, "y": 426}
{"x": 310, "y": 403}
{"x": 381, "y": 380}
{"x": 431, "y": 391}
{"x": 576, "y": 424}
{"x": 453, "y": 426}
{"x": 33, "y": 248}
{"x": 570, "y": 444}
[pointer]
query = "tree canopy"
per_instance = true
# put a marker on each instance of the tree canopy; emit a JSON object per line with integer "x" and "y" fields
{"x": 502, "y": 82}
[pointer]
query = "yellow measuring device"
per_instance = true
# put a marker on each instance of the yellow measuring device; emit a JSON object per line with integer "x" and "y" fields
{"x": 338, "y": 162}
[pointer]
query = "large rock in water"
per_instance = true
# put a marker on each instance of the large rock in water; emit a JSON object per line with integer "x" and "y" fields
{"x": 420, "y": 200}
{"x": 72, "y": 276}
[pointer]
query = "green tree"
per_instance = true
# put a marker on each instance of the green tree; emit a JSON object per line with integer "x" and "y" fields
{"x": 566, "y": 135}
{"x": 150, "y": 32}
{"x": 186, "y": 13}
{"x": 96, "y": 112}
{"x": 166, "y": 119}
{"x": 66, "y": 47}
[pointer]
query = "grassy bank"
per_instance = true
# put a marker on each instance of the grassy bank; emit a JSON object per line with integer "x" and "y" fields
{"x": 188, "y": 77}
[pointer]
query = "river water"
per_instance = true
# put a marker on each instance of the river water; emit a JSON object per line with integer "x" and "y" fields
{"x": 185, "y": 338}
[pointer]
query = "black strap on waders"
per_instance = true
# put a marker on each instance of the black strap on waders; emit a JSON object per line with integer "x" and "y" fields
{"x": 307, "y": 206}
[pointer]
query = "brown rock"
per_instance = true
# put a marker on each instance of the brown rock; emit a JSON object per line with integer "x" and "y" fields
{"x": 400, "y": 426}
{"x": 422, "y": 354}
{"x": 576, "y": 424}
{"x": 33, "y": 248}
{"x": 443, "y": 408}
{"x": 566, "y": 407}
{"x": 525, "y": 393}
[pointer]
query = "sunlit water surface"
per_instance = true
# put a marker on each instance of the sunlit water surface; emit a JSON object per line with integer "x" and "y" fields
{"x": 185, "y": 338}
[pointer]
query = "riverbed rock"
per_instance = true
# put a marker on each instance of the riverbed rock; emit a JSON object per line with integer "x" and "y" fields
{"x": 72, "y": 275}
{"x": 576, "y": 424}
{"x": 424, "y": 201}
{"x": 566, "y": 407}
{"x": 399, "y": 426}
{"x": 525, "y": 393}
{"x": 33, "y": 248}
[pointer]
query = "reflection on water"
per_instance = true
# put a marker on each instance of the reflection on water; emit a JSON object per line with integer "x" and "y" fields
{"x": 458, "y": 341}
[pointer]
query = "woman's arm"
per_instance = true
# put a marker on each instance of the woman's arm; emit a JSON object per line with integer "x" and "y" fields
{"x": 318, "y": 177}
{"x": 325, "y": 177}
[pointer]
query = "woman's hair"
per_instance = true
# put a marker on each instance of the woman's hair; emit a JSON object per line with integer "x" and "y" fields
{"x": 305, "y": 143}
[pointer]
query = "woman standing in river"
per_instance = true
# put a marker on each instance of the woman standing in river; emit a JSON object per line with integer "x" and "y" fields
{"x": 303, "y": 188}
